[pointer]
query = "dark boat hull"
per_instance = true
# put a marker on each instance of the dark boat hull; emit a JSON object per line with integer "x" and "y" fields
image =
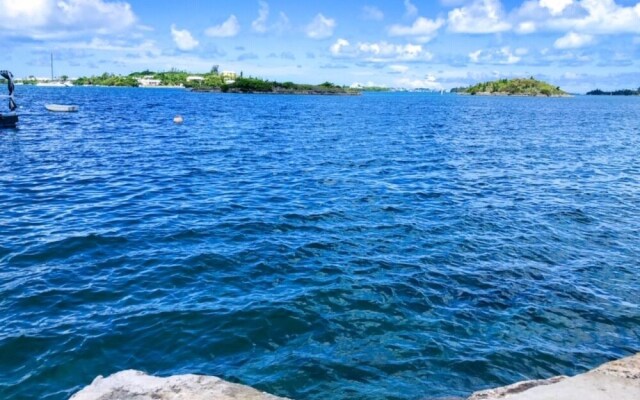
{"x": 8, "y": 120}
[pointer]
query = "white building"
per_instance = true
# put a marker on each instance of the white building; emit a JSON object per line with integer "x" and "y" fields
{"x": 148, "y": 80}
{"x": 228, "y": 76}
{"x": 195, "y": 78}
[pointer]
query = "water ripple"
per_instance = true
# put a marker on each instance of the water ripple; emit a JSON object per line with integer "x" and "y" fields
{"x": 387, "y": 246}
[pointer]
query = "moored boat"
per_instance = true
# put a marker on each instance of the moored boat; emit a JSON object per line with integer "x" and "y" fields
{"x": 61, "y": 108}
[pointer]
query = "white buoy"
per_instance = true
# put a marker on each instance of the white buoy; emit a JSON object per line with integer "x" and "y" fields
{"x": 178, "y": 119}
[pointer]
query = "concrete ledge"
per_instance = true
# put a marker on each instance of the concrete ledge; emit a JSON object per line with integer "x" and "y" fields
{"x": 136, "y": 385}
{"x": 617, "y": 380}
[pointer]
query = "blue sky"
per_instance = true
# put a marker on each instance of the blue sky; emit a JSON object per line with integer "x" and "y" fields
{"x": 576, "y": 44}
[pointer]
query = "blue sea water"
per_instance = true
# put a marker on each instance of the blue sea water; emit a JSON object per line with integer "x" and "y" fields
{"x": 387, "y": 246}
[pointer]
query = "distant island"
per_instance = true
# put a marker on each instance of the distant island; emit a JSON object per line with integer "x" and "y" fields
{"x": 623, "y": 92}
{"x": 513, "y": 87}
{"x": 213, "y": 81}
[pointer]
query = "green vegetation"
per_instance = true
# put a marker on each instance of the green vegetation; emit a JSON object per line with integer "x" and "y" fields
{"x": 623, "y": 92}
{"x": 107, "y": 80}
{"x": 513, "y": 87}
{"x": 213, "y": 81}
{"x": 257, "y": 85}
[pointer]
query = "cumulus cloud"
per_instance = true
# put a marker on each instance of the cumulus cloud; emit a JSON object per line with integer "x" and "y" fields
{"x": 587, "y": 17}
{"x": 372, "y": 13}
{"x": 320, "y": 27}
{"x": 229, "y": 28}
{"x": 573, "y": 40}
{"x": 502, "y": 56}
{"x": 555, "y": 7}
{"x": 380, "y": 51}
{"x": 481, "y": 16}
{"x": 600, "y": 17}
{"x": 423, "y": 28}
{"x": 41, "y": 19}
{"x": 593, "y": 17}
{"x": 183, "y": 39}
{"x": 336, "y": 48}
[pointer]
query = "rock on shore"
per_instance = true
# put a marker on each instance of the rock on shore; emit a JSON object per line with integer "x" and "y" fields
{"x": 136, "y": 385}
{"x": 617, "y": 380}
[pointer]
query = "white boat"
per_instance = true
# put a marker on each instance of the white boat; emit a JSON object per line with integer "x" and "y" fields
{"x": 54, "y": 82}
{"x": 61, "y": 108}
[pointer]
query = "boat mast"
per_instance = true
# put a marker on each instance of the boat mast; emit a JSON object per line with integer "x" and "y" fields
{"x": 51, "y": 66}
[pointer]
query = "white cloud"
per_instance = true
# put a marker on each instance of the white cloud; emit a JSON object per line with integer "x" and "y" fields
{"x": 593, "y": 17}
{"x": 372, "y": 13}
{"x": 526, "y": 27}
{"x": 573, "y": 40}
{"x": 336, "y": 48}
{"x": 474, "y": 56}
{"x": 424, "y": 28}
{"x": 380, "y": 51}
{"x": 481, "y": 16}
{"x": 321, "y": 27}
{"x": 502, "y": 56}
{"x": 556, "y": 7}
{"x": 229, "y": 28}
{"x": 428, "y": 82}
{"x": 260, "y": 24}
{"x": 602, "y": 17}
{"x": 183, "y": 39}
{"x": 43, "y": 19}
{"x": 410, "y": 10}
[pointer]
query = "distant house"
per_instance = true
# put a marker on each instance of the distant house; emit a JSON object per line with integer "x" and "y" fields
{"x": 228, "y": 76}
{"x": 195, "y": 78}
{"x": 148, "y": 80}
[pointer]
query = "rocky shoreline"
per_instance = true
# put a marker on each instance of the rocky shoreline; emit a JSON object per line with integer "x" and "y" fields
{"x": 616, "y": 380}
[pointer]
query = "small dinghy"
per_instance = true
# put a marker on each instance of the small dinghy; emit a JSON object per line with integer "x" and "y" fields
{"x": 60, "y": 108}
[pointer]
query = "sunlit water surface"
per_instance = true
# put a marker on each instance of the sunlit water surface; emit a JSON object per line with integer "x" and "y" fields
{"x": 387, "y": 246}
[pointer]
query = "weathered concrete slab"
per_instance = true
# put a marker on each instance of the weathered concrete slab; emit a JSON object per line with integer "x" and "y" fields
{"x": 136, "y": 385}
{"x": 617, "y": 380}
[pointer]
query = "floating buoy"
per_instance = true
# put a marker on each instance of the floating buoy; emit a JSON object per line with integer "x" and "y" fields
{"x": 178, "y": 119}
